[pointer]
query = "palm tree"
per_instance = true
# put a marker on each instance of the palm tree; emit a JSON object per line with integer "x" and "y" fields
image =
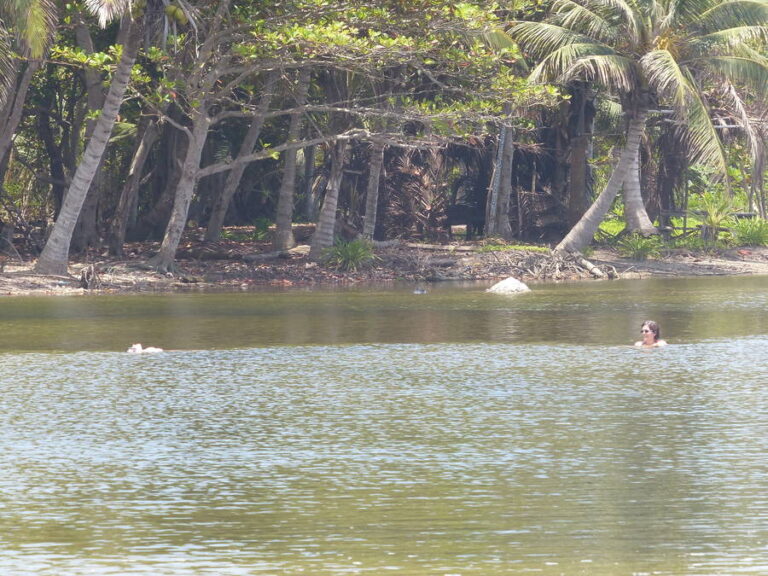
{"x": 55, "y": 255}
{"x": 34, "y": 22}
{"x": 646, "y": 53}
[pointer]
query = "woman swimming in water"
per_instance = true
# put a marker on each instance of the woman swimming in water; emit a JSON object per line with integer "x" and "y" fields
{"x": 651, "y": 334}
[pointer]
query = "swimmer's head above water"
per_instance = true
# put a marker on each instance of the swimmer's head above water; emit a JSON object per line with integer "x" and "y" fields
{"x": 651, "y": 334}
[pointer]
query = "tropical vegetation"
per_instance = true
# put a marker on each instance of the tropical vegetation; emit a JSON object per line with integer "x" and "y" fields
{"x": 145, "y": 119}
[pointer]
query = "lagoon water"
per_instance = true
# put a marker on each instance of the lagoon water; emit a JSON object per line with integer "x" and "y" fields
{"x": 386, "y": 432}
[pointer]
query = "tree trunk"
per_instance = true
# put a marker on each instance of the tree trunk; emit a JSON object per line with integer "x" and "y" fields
{"x": 11, "y": 111}
{"x": 185, "y": 190}
{"x": 310, "y": 198}
{"x": 582, "y": 114}
{"x": 497, "y": 203}
{"x": 372, "y": 190}
{"x": 284, "y": 239}
{"x": 129, "y": 197}
{"x": 582, "y": 233}
{"x": 322, "y": 239}
{"x": 219, "y": 212}
{"x": 492, "y": 201}
{"x": 502, "y": 225}
{"x": 55, "y": 256}
{"x": 634, "y": 208}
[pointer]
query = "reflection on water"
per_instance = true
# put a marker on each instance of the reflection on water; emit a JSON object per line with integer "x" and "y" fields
{"x": 459, "y": 433}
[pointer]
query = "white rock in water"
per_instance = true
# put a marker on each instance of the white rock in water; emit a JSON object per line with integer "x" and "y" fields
{"x": 509, "y": 286}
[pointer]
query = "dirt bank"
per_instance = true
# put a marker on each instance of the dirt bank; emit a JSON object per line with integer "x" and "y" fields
{"x": 241, "y": 265}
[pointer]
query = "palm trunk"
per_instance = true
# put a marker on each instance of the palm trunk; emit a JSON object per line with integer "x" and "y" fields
{"x": 372, "y": 190}
{"x": 323, "y": 236}
{"x": 185, "y": 190}
{"x": 86, "y": 231}
{"x": 582, "y": 233}
{"x": 219, "y": 212}
{"x": 634, "y": 208}
{"x": 284, "y": 221}
{"x": 55, "y": 256}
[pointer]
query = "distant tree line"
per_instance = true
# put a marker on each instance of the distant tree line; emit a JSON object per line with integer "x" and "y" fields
{"x": 136, "y": 120}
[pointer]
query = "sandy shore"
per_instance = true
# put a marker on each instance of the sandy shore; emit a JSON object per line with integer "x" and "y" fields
{"x": 239, "y": 266}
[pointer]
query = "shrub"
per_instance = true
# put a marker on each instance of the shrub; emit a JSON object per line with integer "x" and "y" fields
{"x": 609, "y": 229}
{"x": 717, "y": 212}
{"x": 349, "y": 256}
{"x": 751, "y": 232}
{"x": 689, "y": 242}
{"x": 261, "y": 228}
{"x": 639, "y": 247}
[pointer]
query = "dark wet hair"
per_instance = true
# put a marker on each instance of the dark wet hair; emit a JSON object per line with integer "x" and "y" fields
{"x": 653, "y": 327}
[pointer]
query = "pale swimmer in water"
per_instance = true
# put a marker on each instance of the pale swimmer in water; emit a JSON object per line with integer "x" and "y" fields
{"x": 139, "y": 349}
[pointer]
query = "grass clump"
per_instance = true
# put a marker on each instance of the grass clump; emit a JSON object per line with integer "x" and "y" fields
{"x": 750, "y": 232}
{"x": 639, "y": 247}
{"x": 349, "y": 256}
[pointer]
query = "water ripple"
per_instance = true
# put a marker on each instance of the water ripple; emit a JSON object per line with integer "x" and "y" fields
{"x": 416, "y": 459}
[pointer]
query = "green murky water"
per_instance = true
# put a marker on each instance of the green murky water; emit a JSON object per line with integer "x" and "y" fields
{"x": 360, "y": 432}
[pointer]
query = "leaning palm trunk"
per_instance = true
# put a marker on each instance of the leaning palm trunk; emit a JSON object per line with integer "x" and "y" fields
{"x": 284, "y": 221}
{"x": 372, "y": 191}
{"x": 582, "y": 233}
{"x": 323, "y": 236}
{"x": 634, "y": 208}
{"x": 55, "y": 255}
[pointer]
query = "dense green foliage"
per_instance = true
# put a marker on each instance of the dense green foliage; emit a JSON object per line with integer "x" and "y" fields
{"x": 228, "y": 101}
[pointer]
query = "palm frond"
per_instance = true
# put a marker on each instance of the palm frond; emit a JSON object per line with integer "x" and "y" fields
{"x": 730, "y": 37}
{"x": 751, "y": 131}
{"x": 107, "y": 10}
{"x": 6, "y": 65}
{"x": 667, "y": 77}
{"x": 626, "y": 13}
{"x": 541, "y": 38}
{"x": 687, "y": 13}
{"x": 672, "y": 81}
{"x": 558, "y": 63}
{"x": 742, "y": 72}
{"x": 733, "y": 14}
{"x": 574, "y": 16}
{"x": 613, "y": 71}
{"x": 699, "y": 134}
{"x": 609, "y": 112}
{"x": 497, "y": 38}
{"x": 34, "y": 21}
